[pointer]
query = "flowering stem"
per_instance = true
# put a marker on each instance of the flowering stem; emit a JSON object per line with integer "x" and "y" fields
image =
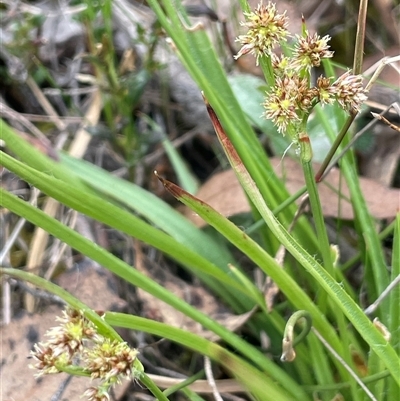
{"x": 322, "y": 170}
{"x": 72, "y": 370}
{"x": 306, "y": 156}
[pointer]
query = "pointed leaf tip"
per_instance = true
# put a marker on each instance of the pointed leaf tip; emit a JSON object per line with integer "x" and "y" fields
{"x": 176, "y": 191}
{"x": 205, "y": 99}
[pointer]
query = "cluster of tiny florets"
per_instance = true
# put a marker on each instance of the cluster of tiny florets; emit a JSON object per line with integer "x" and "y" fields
{"x": 64, "y": 341}
{"x": 280, "y": 64}
{"x": 292, "y": 97}
{"x": 47, "y": 359}
{"x": 266, "y": 28}
{"x": 349, "y": 92}
{"x": 97, "y": 394}
{"x": 110, "y": 360}
{"x": 310, "y": 50}
{"x": 324, "y": 90}
{"x": 288, "y": 98}
{"x": 76, "y": 339}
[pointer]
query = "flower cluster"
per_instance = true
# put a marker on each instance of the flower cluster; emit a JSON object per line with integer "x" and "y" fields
{"x": 287, "y": 100}
{"x": 310, "y": 50}
{"x": 266, "y": 28}
{"x": 290, "y": 100}
{"x": 349, "y": 92}
{"x": 65, "y": 341}
{"x": 110, "y": 360}
{"x": 76, "y": 339}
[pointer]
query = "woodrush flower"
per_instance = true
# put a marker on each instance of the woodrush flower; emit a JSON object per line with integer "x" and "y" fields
{"x": 324, "y": 91}
{"x": 75, "y": 339}
{"x": 110, "y": 360}
{"x": 45, "y": 358}
{"x": 280, "y": 64}
{"x": 266, "y": 28}
{"x": 310, "y": 50}
{"x": 288, "y": 99}
{"x": 97, "y": 394}
{"x": 64, "y": 342}
{"x": 349, "y": 92}
{"x": 69, "y": 335}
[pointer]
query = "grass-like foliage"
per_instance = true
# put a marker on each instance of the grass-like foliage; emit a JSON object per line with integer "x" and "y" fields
{"x": 328, "y": 346}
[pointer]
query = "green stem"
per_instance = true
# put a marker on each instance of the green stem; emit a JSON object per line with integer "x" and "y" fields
{"x": 184, "y": 383}
{"x": 254, "y": 227}
{"x": 343, "y": 385}
{"x": 306, "y": 156}
{"x": 382, "y": 235}
{"x": 373, "y": 255}
{"x": 244, "y": 4}
{"x": 338, "y": 140}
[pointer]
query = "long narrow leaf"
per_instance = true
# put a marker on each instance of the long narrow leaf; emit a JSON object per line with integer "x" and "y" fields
{"x": 258, "y": 383}
{"x": 352, "y": 311}
{"x": 151, "y": 208}
{"x": 131, "y": 275}
{"x": 117, "y": 218}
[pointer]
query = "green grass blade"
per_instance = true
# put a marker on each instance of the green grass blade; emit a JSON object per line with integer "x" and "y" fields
{"x": 151, "y": 208}
{"x": 122, "y": 220}
{"x": 334, "y": 290}
{"x": 34, "y": 158}
{"x": 134, "y": 277}
{"x": 394, "y": 297}
{"x": 185, "y": 177}
{"x": 257, "y": 382}
{"x": 394, "y": 302}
